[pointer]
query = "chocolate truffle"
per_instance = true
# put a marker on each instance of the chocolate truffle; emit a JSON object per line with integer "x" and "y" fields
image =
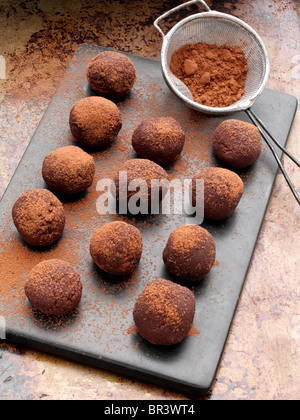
{"x": 237, "y": 143}
{"x": 39, "y": 217}
{"x": 53, "y": 287}
{"x": 117, "y": 248}
{"x": 111, "y": 74}
{"x": 164, "y": 312}
{"x": 223, "y": 190}
{"x": 68, "y": 170}
{"x": 159, "y": 139}
{"x": 190, "y": 252}
{"x": 153, "y": 177}
{"x": 95, "y": 122}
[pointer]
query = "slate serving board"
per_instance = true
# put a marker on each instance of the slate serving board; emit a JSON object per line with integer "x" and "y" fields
{"x": 100, "y": 332}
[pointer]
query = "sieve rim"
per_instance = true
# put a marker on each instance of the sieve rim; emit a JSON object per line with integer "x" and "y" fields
{"x": 207, "y": 109}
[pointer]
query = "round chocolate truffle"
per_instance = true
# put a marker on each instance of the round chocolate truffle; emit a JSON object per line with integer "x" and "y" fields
{"x": 237, "y": 143}
{"x": 159, "y": 139}
{"x": 141, "y": 183}
{"x": 53, "y": 287}
{"x": 117, "y": 248}
{"x": 164, "y": 312}
{"x": 111, "y": 74}
{"x": 68, "y": 170}
{"x": 190, "y": 252}
{"x": 39, "y": 217}
{"x": 223, "y": 190}
{"x": 95, "y": 122}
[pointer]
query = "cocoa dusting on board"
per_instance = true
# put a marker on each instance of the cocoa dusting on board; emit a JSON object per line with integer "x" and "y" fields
{"x": 193, "y": 331}
{"x": 215, "y": 75}
{"x": 100, "y": 313}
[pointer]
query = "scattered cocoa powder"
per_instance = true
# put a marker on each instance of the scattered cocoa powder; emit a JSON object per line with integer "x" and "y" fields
{"x": 193, "y": 331}
{"x": 215, "y": 75}
{"x": 101, "y": 314}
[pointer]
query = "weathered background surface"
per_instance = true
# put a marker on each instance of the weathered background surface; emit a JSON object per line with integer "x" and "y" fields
{"x": 38, "y": 39}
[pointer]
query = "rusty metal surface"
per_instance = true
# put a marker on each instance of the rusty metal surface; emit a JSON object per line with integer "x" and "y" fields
{"x": 37, "y": 40}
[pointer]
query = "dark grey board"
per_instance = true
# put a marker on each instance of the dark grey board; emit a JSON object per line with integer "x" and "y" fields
{"x": 99, "y": 332}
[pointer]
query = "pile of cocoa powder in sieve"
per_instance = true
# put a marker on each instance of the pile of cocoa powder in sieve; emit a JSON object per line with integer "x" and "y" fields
{"x": 215, "y": 75}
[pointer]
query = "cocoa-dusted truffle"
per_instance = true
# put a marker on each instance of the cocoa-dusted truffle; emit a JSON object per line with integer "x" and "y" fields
{"x": 53, "y": 287}
{"x": 223, "y": 190}
{"x": 111, "y": 74}
{"x": 39, "y": 217}
{"x": 117, "y": 248}
{"x": 155, "y": 182}
{"x": 159, "y": 139}
{"x": 95, "y": 122}
{"x": 164, "y": 312}
{"x": 68, "y": 170}
{"x": 190, "y": 252}
{"x": 237, "y": 143}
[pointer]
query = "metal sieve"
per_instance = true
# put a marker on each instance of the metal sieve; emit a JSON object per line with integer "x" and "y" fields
{"x": 219, "y": 29}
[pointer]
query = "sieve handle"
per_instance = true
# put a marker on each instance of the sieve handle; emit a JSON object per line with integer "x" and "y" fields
{"x": 267, "y": 136}
{"x": 181, "y": 6}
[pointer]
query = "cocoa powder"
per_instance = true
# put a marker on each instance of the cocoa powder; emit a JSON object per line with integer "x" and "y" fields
{"x": 215, "y": 75}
